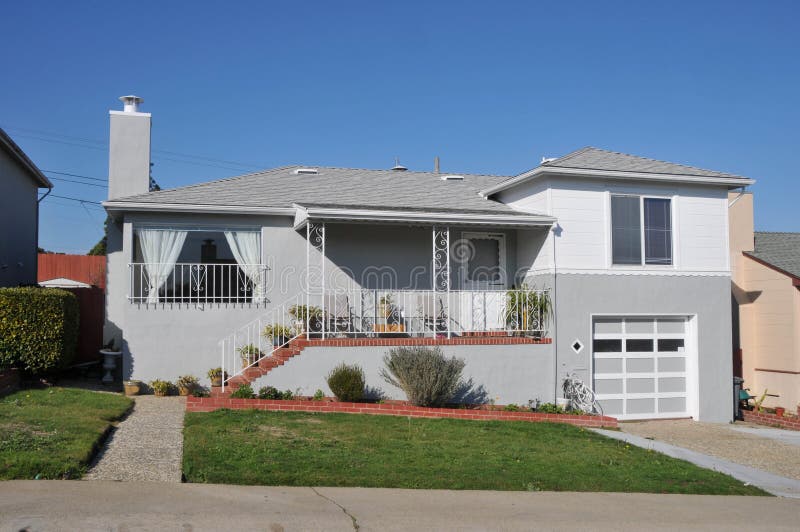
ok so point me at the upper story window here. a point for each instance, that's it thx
(641, 223)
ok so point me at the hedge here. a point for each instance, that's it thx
(38, 328)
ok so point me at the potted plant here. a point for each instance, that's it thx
(215, 375)
(278, 334)
(186, 384)
(160, 388)
(132, 387)
(527, 311)
(306, 317)
(250, 354)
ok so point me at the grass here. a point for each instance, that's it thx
(52, 433)
(304, 449)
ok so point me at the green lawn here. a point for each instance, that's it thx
(303, 449)
(52, 433)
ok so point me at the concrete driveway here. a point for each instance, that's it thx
(129, 506)
(773, 450)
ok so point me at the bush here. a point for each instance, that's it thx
(426, 376)
(245, 391)
(347, 382)
(38, 328)
(270, 392)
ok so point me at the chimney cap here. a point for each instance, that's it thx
(131, 103)
(397, 166)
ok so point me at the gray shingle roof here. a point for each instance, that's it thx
(591, 158)
(781, 250)
(339, 187)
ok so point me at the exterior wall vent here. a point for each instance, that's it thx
(306, 171)
(452, 178)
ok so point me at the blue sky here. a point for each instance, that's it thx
(487, 86)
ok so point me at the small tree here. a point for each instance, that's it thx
(347, 382)
(426, 376)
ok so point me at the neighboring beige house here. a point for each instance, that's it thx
(20, 181)
(765, 269)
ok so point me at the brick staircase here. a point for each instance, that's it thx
(279, 357)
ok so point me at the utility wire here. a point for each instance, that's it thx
(77, 199)
(75, 175)
(79, 182)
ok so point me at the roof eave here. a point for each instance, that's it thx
(22, 158)
(130, 206)
(414, 217)
(539, 171)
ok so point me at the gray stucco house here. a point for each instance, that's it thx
(20, 181)
(629, 254)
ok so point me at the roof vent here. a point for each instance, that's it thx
(306, 171)
(397, 166)
(452, 178)
(546, 160)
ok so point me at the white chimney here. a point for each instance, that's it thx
(129, 150)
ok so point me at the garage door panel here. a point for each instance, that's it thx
(640, 366)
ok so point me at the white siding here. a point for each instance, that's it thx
(583, 241)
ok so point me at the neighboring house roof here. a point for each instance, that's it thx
(61, 282)
(16, 153)
(604, 163)
(778, 250)
(336, 187)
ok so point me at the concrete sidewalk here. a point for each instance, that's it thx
(129, 506)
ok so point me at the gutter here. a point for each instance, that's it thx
(734, 182)
(123, 206)
(304, 214)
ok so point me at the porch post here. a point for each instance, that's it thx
(441, 270)
(315, 237)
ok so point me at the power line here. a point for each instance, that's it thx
(79, 200)
(75, 175)
(80, 182)
(102, 145)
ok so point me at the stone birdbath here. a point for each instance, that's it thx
(110, 358)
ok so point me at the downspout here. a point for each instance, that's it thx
(36, 263)
(554, 303)
(49, 190)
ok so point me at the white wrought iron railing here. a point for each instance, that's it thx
(260, 338)
(358, 313)
(197, 283)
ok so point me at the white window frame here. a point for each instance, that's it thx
(610, 232)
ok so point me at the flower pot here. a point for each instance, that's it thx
(183, 391)
(160, 393)
(216, 381)
(780, 411)
(132, 387)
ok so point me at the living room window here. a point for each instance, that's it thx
(641, 230)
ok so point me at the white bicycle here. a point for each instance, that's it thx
(580, 395)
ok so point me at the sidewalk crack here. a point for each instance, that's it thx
(348, 514)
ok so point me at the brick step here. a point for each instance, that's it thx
(279, 357)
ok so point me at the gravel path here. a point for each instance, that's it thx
(723, 441)
(147, 445)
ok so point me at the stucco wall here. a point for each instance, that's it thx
(18, 224)
(707, 299)
(500, 373)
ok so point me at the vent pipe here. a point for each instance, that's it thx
(436, 164)
(397, 166)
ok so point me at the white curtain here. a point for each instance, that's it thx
(160, 250)
(246, 248)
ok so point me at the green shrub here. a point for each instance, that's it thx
(245, 391)
(319, 395)
(426, 376)
(38, 328)
(347, 382)
(269, 392)
(550, 408)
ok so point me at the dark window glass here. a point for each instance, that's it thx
(657, 231)
(639, 345)
(669, 345)
(626, 233)
(607, 346)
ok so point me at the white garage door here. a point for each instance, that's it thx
(640, 366)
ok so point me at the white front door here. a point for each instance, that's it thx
(641, 366)
(483, 279)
